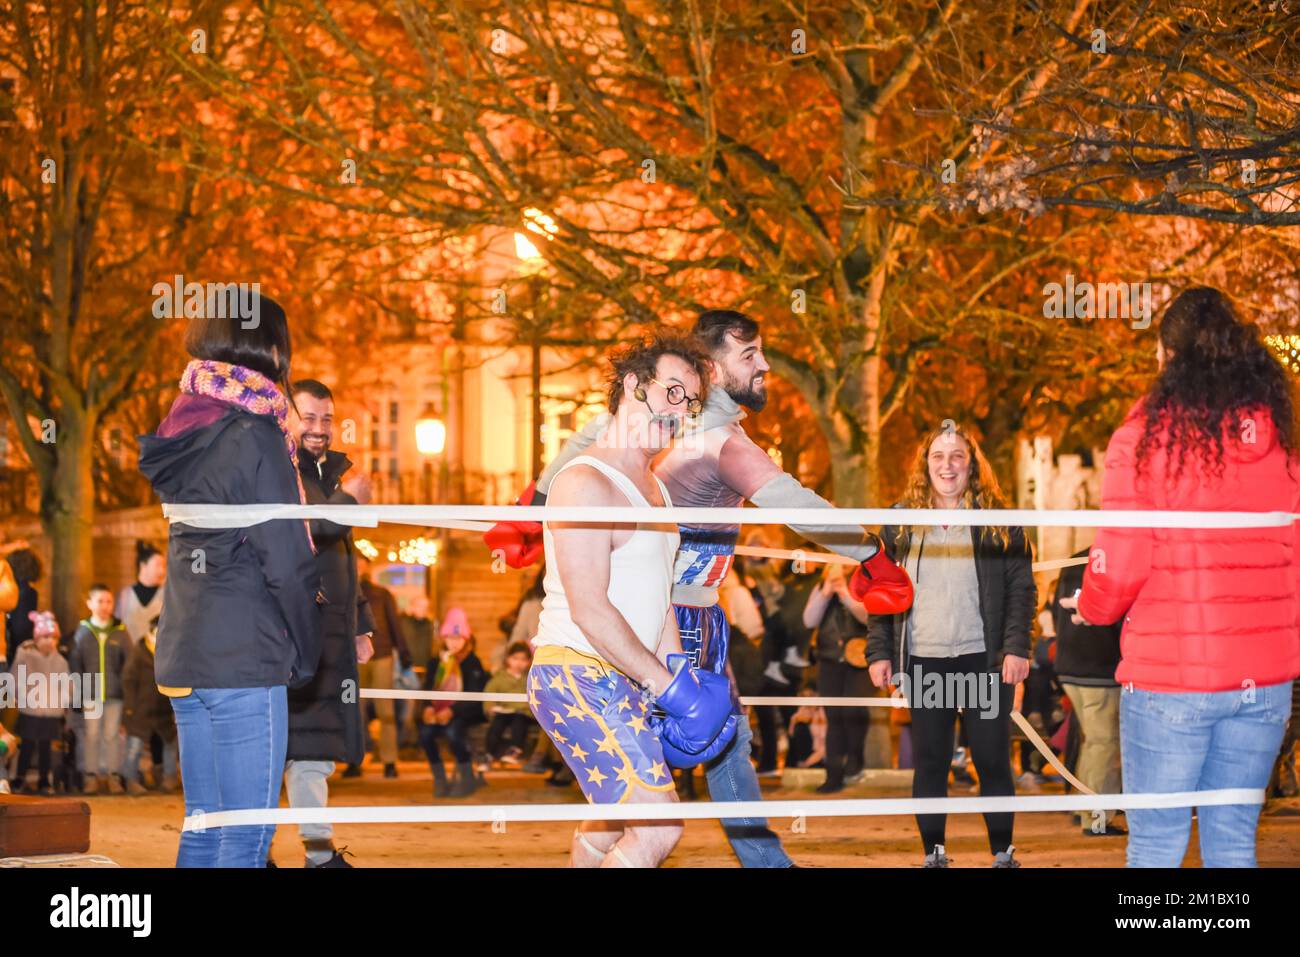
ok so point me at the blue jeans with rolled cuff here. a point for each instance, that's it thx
(732, 777)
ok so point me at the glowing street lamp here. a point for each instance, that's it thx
(430, 432)
(431, 440)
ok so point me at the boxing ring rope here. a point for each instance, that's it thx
(477, 518)
(708, 810)
(369, 516)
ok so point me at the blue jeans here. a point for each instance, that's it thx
(732, 777)
(1198, 741)
(99, 751)
(135, 747)
(233, 743)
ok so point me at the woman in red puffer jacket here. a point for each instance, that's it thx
(1211, 633)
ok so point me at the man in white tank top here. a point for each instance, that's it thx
(607, 630)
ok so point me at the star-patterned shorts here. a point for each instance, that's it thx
(595, 716)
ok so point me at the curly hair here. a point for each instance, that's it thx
(642, 359)
(1217, 372)
(982, 488)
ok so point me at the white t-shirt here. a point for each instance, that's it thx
(640, 575)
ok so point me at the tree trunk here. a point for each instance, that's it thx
(851, 474)
(854, 439)
(68, 519)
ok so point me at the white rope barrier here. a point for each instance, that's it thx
(369, 516)
(401, 694)
(707, 810)
(476, 518)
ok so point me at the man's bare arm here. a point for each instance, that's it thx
(582, 558)
(670, 638)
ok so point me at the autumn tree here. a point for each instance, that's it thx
(825, 166)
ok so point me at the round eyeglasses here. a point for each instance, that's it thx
(677, 395)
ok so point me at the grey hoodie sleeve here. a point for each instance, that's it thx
(575, 445)
(783, 491)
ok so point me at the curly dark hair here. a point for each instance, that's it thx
(1216, 373)
(642, 359)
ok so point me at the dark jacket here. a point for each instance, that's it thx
(745, 655)
(388, 623)
(83, 655)
(1085, 654)
(324, 720)
(145, 710)
(837, 627)
(472, 678)
(1007, 594)
(239, 605)
(19, 627)
(786, 622)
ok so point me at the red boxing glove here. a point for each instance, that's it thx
(883, 587)
(519, 542)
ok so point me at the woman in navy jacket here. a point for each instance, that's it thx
(240, 621)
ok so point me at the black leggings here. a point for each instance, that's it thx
(42, 751)
(989, 736)
(512, 726)
(770, 720)
(846, 728)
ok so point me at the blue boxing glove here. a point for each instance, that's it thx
(680, 759)
(696, 705)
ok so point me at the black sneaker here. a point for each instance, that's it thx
(390, 771)
(352, 771)
(336, 859)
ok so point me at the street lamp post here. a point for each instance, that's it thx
(532, 260)
(431, 441)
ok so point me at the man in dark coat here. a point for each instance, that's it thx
(1086, 659)
(325, 714)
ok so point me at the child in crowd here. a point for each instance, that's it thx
(101, 647)
(457, 669)
(807, 735)
(507, 735)
(146, 712)
(43, 676)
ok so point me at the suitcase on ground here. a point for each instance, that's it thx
(35, 825)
